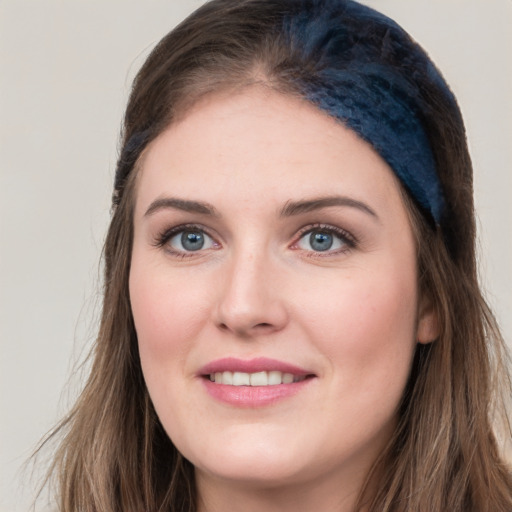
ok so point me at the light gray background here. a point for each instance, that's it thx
(65, 71)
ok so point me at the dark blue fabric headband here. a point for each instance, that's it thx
(368, 75)
(385, 121)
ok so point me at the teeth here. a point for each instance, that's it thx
(275, 378)
(259, 379)
(240, 379)
(287, 378)
(272, 378)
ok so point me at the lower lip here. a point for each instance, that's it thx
(253, 396)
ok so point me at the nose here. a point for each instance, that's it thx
(251, 301)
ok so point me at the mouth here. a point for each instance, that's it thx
(255, 382)
(261, 378)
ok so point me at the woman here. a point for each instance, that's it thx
(291, 316)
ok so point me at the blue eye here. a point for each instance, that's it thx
(323, 240)
(190, 240)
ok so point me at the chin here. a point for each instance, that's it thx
(255, 472)
(263, 462)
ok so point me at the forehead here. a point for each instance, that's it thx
(261, 144)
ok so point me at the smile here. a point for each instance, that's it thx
(253, 383)
(263, 378)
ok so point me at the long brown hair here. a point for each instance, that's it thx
(114, 454)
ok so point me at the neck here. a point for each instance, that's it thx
(218, 495)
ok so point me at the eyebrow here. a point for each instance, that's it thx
(290, 209)
(298, 207)
(181, 204)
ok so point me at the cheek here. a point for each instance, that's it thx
(168, 314)
(365, 324)
(366, 333)
(166, 309)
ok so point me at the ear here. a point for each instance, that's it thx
(427, 329)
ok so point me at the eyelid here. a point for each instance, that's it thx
(349, 240)
(162, 238)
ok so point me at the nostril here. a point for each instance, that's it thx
(259, 328)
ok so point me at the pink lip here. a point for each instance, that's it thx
(260, 364)
(252, 396)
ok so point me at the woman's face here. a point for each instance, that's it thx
(274, 291)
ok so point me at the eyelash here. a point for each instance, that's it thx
(167, 235)
(349, 241)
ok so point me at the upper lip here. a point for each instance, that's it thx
(259, 364)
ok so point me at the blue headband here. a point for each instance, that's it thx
(387, 123)
(368, 75)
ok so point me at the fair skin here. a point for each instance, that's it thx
(265, 229)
